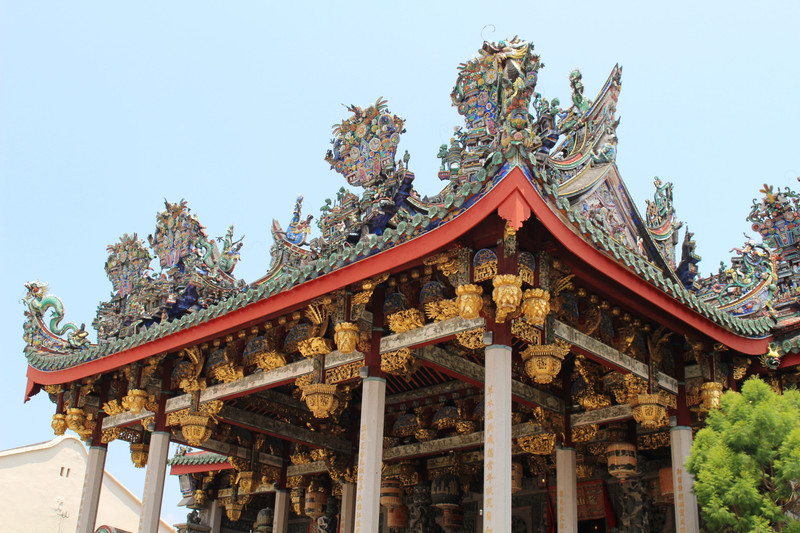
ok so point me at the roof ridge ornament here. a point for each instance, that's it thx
(747, 287)
(364, 149)
(298, 230)
(127, 262)
(775, 215)
(365, 144)
(195, 274)
(493, 93)
(49, 336)
(661, 222)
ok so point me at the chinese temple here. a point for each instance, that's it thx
(521, 352)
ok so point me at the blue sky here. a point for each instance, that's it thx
(108, 108)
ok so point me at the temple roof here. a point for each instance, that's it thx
(199, 458)
(517, 154)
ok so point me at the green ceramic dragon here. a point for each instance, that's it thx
(213, 258)
(39, 302)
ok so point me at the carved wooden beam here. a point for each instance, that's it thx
(602, 416)
(429, 333)
(254, 382)
(418, 449)
(272, 396)
(597, 349)
(125, 419)
(474, 373)
(692, 371)
(405, 451)
(473, 440)
(270, 426)
(426, 392)
(314, 467)
(444, 461)
(273, 378)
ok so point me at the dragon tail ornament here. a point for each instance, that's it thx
(50, 334)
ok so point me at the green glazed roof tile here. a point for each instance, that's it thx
(202, 458)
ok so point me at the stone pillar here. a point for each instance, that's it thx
(497, 441)
(687, 519)
(92, 483)
(370, 455)
(348, 512)
(566, 491)
(154, 482)
(280, 523)
(214, 517)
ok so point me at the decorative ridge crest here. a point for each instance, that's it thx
(746, 287)
(661, 222)
(195, 274)
(49, 336)
(776, 217)
(365, 144)
(751, 325)
(763, 278)
(660, 212)
(507, 125)
(127, 262)
(687, 268)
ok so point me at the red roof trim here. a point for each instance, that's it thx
(388, 260)
(177, 470)
(514, 186)
(597, 260)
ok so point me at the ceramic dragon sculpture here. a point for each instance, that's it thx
(39, 302)
(211, 256)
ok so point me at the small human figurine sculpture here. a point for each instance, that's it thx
(581, 103)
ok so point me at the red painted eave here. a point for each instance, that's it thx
(614, 271)
(177, 470)
(514, 196)
(386, 261)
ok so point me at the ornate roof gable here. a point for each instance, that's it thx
(565, 155)
(195, 274)
(128, 260)
(747, 286)
(365, 144)
(763, 278)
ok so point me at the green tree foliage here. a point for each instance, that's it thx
(746, 461)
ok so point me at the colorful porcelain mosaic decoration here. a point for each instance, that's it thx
(567, 153)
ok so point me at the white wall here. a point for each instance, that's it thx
(41, 485)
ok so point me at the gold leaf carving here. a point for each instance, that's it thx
(538, 444)
(405, 320)
(524, 330)
(315, 346)
(341, 373)
(446, 262)
(113, 408)
(109, 435)
(399, 362)
(439, 310)
(227, 372)
(270, 360)
(536, 305)
(52, 389)
(469, 301)
(652, 441)
(507, 295)
(472, 339)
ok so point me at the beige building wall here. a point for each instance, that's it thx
(41, 485)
